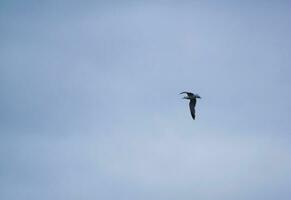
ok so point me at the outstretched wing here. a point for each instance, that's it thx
(188, 93)
(192, 107)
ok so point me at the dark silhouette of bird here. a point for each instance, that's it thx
(192, 97)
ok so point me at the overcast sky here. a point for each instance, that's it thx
(89, 104)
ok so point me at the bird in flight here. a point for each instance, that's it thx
(192, 97)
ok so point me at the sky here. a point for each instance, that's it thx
(90, 105)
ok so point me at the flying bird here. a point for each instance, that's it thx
(192, 97)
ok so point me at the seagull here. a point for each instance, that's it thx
(192, 97)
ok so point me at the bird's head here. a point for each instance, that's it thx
(197, 96)
(190, 95)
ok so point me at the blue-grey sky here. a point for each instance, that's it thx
(89, 105)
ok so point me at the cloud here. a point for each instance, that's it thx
(157, 165)
(90, 106)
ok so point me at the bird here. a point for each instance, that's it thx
(192, 97)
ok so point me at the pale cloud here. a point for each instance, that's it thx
(90, 106)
